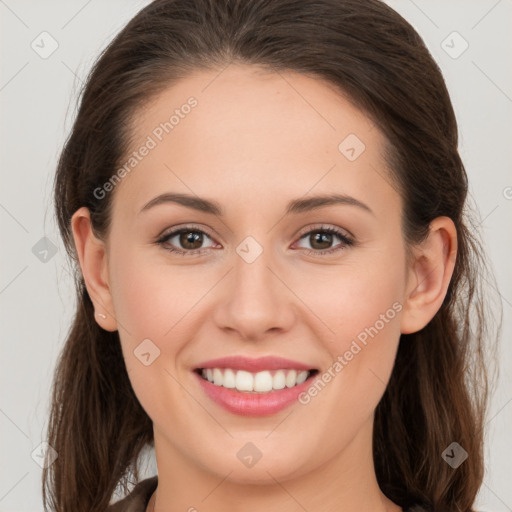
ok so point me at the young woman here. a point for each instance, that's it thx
(278, 283)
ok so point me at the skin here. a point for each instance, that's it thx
(254, 142)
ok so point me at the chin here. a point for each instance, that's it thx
(266, 470)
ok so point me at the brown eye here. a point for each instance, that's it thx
(185, 241)
(191, 239)
(320, 240)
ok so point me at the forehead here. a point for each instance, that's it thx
(241, 133)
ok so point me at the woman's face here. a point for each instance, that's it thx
(254, 279)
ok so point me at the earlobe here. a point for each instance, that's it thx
(429, 275)
(93, 263)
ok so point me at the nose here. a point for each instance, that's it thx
(256, 299)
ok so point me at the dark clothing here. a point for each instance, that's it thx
(138, 499)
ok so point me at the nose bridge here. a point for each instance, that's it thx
(252, 275)
(257, 300)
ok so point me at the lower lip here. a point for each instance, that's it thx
(253, 404)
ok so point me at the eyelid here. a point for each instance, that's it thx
(168, 231)
(322, 227)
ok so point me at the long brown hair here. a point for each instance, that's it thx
(439, 387)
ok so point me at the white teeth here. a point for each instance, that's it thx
(263, 382)
(260, 382)
(229, 379)
(302, 377)
(291, 379)
(279, 380)
(244, 381)
(217, 377)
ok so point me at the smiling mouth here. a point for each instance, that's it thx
(265, 381)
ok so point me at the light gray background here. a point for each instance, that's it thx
(38, 97)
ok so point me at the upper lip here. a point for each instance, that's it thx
(254, 365)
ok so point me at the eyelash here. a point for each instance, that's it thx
(346, 241)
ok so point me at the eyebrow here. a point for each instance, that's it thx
(294, 207)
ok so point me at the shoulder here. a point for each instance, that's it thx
(138, 499)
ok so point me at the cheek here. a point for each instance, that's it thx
(151, 303)
(349, 298)
(361, 305)
(366, 308)
(151, 298)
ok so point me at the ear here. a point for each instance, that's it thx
(429, 275)
(93, 262)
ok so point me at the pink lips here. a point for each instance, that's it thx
(254, 365)
(253, 404)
